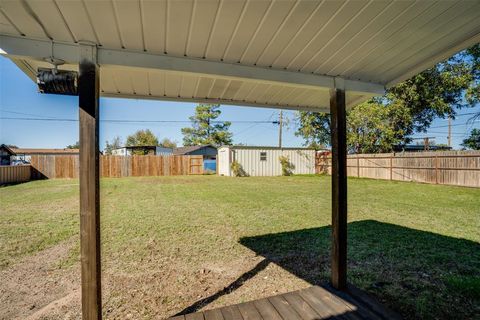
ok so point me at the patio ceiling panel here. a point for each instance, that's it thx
(264, 53)
(380, 29)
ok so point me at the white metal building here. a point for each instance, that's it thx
(264, 161)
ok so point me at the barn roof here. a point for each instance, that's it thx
(281, 54)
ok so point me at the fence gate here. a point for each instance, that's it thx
(195, 165)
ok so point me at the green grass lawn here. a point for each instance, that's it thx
(413, 246)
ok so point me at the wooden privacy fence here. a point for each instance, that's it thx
(15, 174)
(67, 166)
(460, 168)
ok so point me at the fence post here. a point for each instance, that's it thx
(436, 169)
(358, 167)
(391, 167)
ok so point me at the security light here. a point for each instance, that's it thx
(57, 81)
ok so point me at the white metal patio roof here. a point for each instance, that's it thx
(282, 54)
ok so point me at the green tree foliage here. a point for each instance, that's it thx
(76, 145)
(473, 93)
(473, 141)
(167, 143)
(142, 138)
(110, 146)
(409, 107)
(373, 127)
(314, 128)
(205, 130)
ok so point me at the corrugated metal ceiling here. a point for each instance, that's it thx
(371, 41)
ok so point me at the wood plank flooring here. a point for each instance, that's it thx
(313, 303)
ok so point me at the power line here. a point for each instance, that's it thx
(462, 114)
(138, 121)
(453, 125)
(26, 114)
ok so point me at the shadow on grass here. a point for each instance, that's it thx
(419, 274)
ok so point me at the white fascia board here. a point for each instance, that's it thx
(213, 101)
(205, 67)
(21, 47)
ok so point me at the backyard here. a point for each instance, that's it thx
(171, 244)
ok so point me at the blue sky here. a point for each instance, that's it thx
(19, 98)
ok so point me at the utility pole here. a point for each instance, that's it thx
(280, 123)
(426, 143)
(449, 131)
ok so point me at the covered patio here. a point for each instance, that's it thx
(317, 56)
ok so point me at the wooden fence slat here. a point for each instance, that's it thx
(15, 174)
(460, 168)
(66, 166)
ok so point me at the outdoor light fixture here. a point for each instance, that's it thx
(57, 81)
(52, 80)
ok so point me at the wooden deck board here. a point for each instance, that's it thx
(194, 316)
(215, 314)
(301, 306)
(313, 303)
(267, 310)
(284, 308)
(249, 311)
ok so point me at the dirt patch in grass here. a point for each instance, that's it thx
(37, 288)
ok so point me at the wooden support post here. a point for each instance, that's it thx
(339, 185)
(88, 94)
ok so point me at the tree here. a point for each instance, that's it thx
(373, 127)
(314, 128)
(115, 144)
(473, 141)
(142, 138)
(167, 143)
(76, 145)
(406, 108)
(205, 130)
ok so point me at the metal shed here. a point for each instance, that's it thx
(323, 56)
(264, 161)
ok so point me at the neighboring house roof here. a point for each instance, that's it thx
(45, 151)
(135, 147)
(189, 149)
(9, 150)
(419, 147)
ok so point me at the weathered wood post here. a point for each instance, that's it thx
(391, 167)
(358, 166)
(88, 97)
(339, 185)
